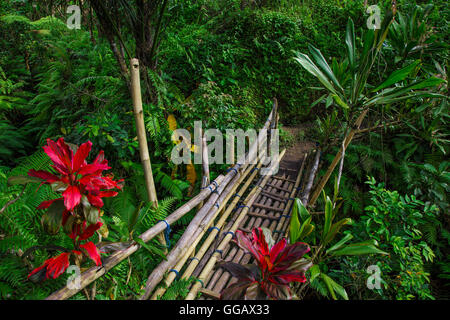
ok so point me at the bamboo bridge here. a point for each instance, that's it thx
(240, 199)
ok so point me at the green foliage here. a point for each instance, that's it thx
(302, 228)
(397, 223)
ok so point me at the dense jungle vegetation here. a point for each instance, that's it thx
(222, 62)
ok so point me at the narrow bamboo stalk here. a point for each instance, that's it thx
(205, 166)
(140, 128)
(142, 137)
(251, 198)
(312, 175)
(226, 195)
(336, 159)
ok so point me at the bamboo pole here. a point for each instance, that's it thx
(231, 188)
(142, 137)
(336, 159)
(312, 175)
(212, 261)
(205, 166)
(140, 128)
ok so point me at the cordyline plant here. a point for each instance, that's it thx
(277, 265)
(78, 210)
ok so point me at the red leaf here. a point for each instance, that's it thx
(59, 155)
(44, 175)
(54, 267)
(81, 155)
(72, 197)
(89, 231)
(95, 201)
(276, 249)
(58, 265)
(93, 168)
(93, 252)
(105, 194)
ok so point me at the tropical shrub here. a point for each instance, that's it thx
(396, 222)
(277, 265)
(78, 211)
(326, 251)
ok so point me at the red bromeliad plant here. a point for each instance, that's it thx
(277, 265)
(78, 210)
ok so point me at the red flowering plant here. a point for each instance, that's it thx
(78, 210)
(277, 265)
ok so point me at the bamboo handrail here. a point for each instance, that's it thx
(248, 203)
(312, 175)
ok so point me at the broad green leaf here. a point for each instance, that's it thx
(340, 102)
(315, 272)
(334, 229)
(23, 180)
(306, 62)
(350, 42)
(322, 62)
(328, 283)
(294, 228)
(305, 229)
(341, 242)
(397, 76)
(328, 217)
(357, 249)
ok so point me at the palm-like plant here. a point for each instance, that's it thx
(347, 81)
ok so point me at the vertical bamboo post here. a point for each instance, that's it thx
(336, 159)
(205, 166)
(142, 136)
(273, 126)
